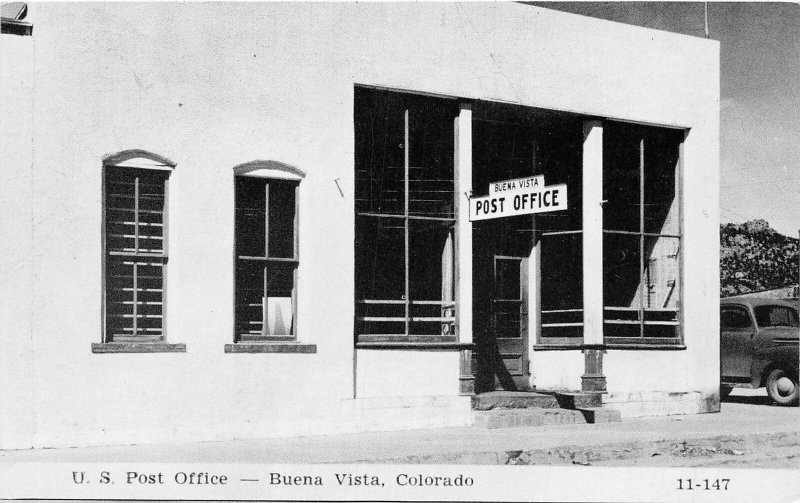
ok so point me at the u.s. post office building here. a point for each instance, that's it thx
(244, 220)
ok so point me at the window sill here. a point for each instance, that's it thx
(648, 346)
(645, 346)
(137, 347)
(557, 346)
(270, 347)
(371, 338)
(415, 346)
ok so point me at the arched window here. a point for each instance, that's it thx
(266, 257)
(135, 254)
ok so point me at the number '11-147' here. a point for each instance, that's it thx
(703, 484)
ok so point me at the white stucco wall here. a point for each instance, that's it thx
(213, 85)
(17, 372)
(406, 373)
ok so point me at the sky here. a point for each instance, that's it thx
(759, 102)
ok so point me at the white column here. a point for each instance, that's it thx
(593, 232)
(463, 186)
(534, 278)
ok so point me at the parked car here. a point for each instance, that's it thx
(759, 342)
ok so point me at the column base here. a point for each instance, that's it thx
(466, 381)
(593, 384)
(593, 380)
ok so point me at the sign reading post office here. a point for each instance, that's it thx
(520, 196)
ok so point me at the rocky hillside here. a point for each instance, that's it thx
(753, 257)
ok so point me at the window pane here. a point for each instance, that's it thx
(561, 258)
(562, 271)
(380, 275)
(281, 218)
(621, 284)
(379, 151)
(559, 158)
(776, 316)
(621, 177)
(431, 277)
(509, 310)
(734, 318)
(662, 148)
(124, 303)
(507, 279)
(431, 144)
(151, 211)
(621, 260)
(119, 299)
(661, 287)
(250, 216)
(249, 298)
(280, 288)
(122, 213)
(120, 188)
(502, 149)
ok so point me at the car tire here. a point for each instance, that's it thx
(782, 387)
(724, 391)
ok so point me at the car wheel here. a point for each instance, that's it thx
(724, 391)
(782, 387)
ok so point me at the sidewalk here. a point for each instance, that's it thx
(744, 414)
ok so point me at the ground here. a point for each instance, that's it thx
(750, 431)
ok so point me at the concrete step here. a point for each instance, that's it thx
(600, 415)
(576, 400)
(513, 418)
(513, 400)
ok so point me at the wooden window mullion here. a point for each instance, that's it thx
(265, 302)
(296, 224)
(135, 298)
(641, 238)
(136, 215)
(265, 298)
(296, 257)
(406, 224)
(136, 195)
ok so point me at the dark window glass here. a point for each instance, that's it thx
(135, 254)
(734, 318)
(776, 316)
(404, 253)
(641, 243)
(266, 259)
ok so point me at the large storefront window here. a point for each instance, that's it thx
(560, 235)
(404, 224)
(641, 234)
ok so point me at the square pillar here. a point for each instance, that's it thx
(592, 233)
(463, 238)
(593, 379)
(534, 280)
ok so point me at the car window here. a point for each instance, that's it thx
(734, 317)
(776, 316)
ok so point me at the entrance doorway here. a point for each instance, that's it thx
(527, 269)
(503, 148)
(501, 260)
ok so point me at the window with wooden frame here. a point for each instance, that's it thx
(559, 235)
(266, 259)
(404, 222)
(135, 253)
(641, 235)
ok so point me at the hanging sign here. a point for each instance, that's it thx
(519, 196)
